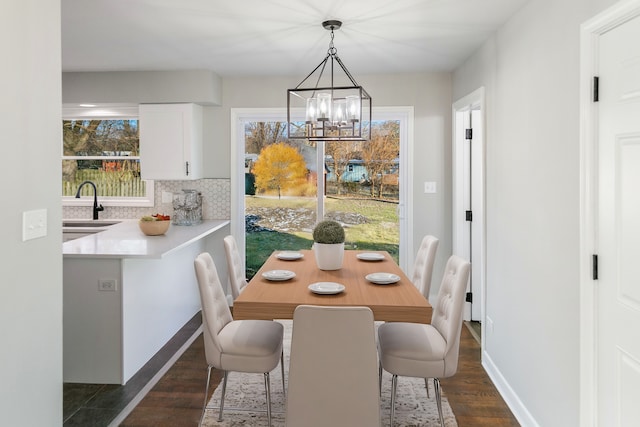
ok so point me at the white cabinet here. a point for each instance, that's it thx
(170, 141)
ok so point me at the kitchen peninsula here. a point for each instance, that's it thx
(127, 294)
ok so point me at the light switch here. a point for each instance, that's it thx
(430, 187)
(34, 224)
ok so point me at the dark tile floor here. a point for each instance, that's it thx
(97, 405)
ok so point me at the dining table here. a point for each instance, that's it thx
(367, 278)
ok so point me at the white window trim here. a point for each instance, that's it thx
(113, 112)
(405, 114)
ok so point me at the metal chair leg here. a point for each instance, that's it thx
(224, 389)
(267, 387)
(436, 386)
(206, 394)
(394, 384)
(284, 390)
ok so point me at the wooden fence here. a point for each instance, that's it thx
(108, 184)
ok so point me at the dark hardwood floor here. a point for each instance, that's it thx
(176, 400)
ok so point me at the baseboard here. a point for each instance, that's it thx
(512, 400)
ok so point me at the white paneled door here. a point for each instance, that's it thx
(618, 227)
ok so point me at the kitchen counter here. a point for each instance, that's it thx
(125, 240)
(126, 294)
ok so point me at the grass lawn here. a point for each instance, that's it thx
(369, 225)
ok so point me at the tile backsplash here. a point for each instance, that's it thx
(216, 201)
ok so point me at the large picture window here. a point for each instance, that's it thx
(105, 151)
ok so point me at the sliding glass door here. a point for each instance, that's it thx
(282, 187)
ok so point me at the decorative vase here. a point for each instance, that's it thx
(329, 255)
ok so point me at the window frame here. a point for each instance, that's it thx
(110, 112)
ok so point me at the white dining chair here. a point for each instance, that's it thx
(423, 265)
(423, 271)
(237, 276)
(428, 350)
(234, 345)
(333, 379)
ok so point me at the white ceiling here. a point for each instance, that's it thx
(275, 37)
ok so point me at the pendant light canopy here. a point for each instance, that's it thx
(336, 107)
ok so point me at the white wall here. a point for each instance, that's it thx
(530, 69)
(428, 93)
(31, 271)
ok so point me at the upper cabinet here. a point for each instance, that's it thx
(170, 141)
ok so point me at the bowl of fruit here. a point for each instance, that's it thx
(154, 225)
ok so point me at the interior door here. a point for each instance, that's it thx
(468, 185)
(618, 227)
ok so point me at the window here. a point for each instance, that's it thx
(103, 147)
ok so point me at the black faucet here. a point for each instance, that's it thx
(96, 208)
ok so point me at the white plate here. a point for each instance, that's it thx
(382, 278)
(289, 255)
(326, 288)
(278, 275)
(370, 256)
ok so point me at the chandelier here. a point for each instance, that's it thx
(336, 107)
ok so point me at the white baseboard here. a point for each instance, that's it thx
(512, 400)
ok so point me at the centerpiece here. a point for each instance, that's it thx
(328, 246)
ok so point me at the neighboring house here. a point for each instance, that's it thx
(356, 171)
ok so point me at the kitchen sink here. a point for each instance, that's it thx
(75, 228)
(88, 224)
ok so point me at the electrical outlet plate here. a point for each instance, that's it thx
(167, 197)
(108, 285)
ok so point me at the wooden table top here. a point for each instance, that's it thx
(398, 302)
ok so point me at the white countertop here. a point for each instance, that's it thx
(125, 240)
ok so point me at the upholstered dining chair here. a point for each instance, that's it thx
(423, 265)
(423, 271)
(333, 378)
(237, 276)
(428, 350)
(234, 345)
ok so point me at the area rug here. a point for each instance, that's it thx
(245, 401)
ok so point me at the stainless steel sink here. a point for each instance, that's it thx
(88, 224)
(75, 228)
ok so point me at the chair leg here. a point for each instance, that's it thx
(436, 386)
(284, 390)
(206, 394)
(224, 389)
(267, 388)
(426, 385)
(394, 384)
(380, 378)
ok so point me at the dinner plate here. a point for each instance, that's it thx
(289, 255)
(278, 275)
(382, 278)
(326, 288)
(370, 256)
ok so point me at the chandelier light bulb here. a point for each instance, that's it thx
(324, 106)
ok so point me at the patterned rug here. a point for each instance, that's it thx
(245, 401)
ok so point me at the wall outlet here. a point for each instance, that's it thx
(108, 285)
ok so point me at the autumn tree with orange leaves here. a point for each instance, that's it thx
(279, 167)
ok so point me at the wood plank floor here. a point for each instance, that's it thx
(176, 400)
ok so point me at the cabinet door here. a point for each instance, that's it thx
(171, 141)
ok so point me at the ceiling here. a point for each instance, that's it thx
(275, 37)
